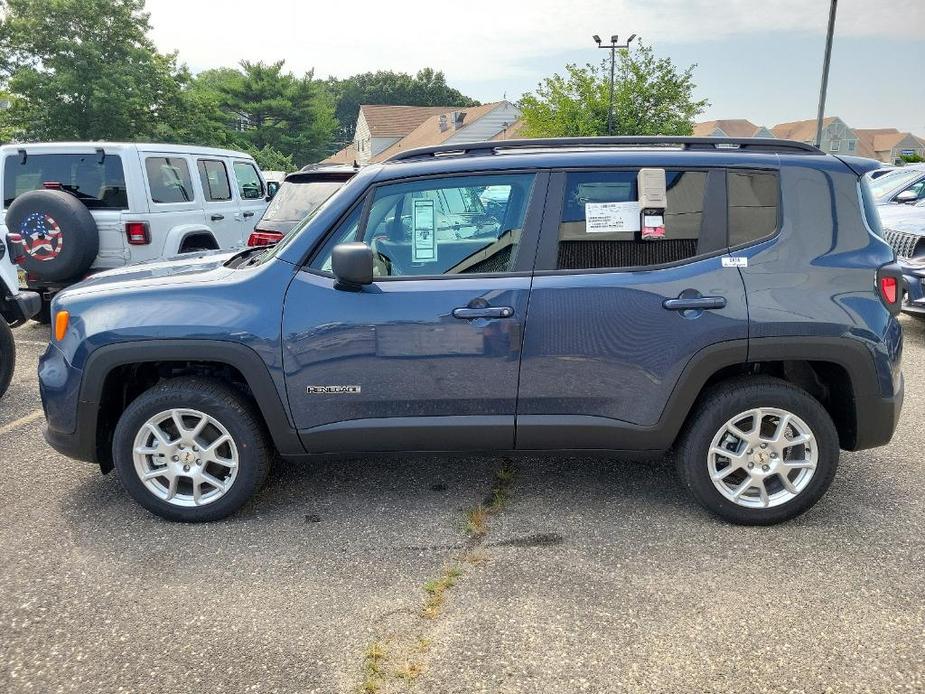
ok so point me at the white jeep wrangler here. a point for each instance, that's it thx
(81, 207)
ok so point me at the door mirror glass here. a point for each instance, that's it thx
(352, 264)
(272, 187)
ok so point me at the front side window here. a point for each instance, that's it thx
(250, 186)
(450, 226)
(601, 222)
(98, 181)
(752, 198)
(169, 180)
(214, 179)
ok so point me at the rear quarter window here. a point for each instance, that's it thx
(98, 181)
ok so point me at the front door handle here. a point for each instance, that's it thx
(217, 217)
(248, 214)
(695, 303)
(484, 312)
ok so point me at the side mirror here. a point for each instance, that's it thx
(272, 187)
(907, 197)
(352, 264)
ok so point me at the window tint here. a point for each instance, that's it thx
(449, 226)
(294, 200)
(214, 178)
(169, 179)
(345, 232)
(249, 184)
(752, 198)
(98, 185)
(612, 236)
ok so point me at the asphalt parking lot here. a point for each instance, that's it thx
(596, 575)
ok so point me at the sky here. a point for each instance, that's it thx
(756, 59)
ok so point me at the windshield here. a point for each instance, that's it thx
(295, 200)
(886, 184)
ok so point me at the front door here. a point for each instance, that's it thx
(253, 197)
(427, 356)
(614, 319)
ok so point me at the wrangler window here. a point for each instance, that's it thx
(169, 179)
(97, 180)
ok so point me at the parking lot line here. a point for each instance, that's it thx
(16, 423)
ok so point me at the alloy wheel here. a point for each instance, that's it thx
(762, 457)
(185, 457)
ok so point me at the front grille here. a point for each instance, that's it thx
(903, 243)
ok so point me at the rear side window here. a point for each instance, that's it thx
(752, 198)
(169, 179)
(249, 184)
(214, 178)
(600, 226)
(98, 184)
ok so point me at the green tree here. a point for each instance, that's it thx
(911, 158)
(651, 97)
(426, 88)
(261, 106)
(85, 69)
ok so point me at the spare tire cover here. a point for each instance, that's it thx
(57, 232)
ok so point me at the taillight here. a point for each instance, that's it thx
(17, 251)
(264, 238)
(890, 286)
(137, 233)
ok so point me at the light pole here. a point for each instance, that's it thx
(825, 71)
(612, 46)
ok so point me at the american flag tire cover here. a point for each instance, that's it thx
(41, 236)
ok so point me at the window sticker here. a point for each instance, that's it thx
(424, 245)
(734, 261)
(608, 217)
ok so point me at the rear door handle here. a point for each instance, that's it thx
(248, 214)
(486, 312)
(217, 217)
(695, 303)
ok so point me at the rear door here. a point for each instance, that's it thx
(221, 209)
(615, 320)
(427, 356)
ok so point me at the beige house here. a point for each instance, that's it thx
(731, 127)
(889, 144)
(884, 144)
(382, 131)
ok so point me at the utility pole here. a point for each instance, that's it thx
(825, 71)
(612, 46)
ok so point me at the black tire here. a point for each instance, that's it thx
(227, 406)
(726, 400)
(7, 356)
(58, 233)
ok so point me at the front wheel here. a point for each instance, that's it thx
(7, 356)
(758, 451)
(190, 450)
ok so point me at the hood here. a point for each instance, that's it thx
(905, 217)
(189, 268)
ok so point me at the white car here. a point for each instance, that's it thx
(81, 207)
(902, 185)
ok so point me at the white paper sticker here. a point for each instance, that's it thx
(734, 261)
(653, 220)
(608, 217)
(424, 237)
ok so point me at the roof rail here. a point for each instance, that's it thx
(730, 144)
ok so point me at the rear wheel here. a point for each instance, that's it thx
(7, 356)
(758, 451)
(190, 450)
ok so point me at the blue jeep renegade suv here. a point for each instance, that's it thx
(507, 296)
